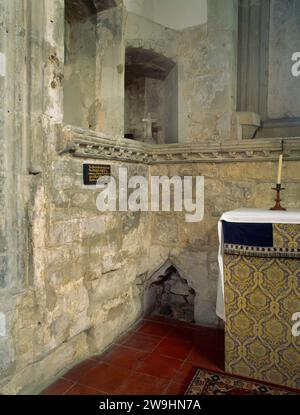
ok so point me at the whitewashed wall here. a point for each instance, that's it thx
(176, 14)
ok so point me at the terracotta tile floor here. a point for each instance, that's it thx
(157, 357)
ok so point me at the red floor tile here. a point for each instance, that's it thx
(160, 319)
(78, 371)
(159, 366)
(105, 377)
(123, 356)
(185, 373)
(123, 338)
(214, 335)
(141, 342)
(207, 357)
(58, 388)
(156, 357)
(154, 329)
(176, 389)
(199, 337)
(185, 324)
(141, 384)
(184, 334)
(178, 349)
(83, 390)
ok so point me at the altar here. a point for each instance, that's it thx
(259, 293)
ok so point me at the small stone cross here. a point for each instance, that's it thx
(148, 121)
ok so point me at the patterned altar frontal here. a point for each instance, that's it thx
(262, 293)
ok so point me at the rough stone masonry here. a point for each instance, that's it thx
(70, 276)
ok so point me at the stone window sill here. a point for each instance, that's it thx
(90, 144)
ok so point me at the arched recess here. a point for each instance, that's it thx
(80, 10)
(151, 93)
(169, 293)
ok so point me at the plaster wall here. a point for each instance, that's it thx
(203, 97)
(207, 75)
(135, 108)
(160, 99)
(206, 63)
(172, 109)
(174, 14)
(110, 64)
(283, 90)
(80, 74)
(155, 100)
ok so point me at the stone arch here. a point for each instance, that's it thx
(181, 308)
(80, 10)
(161, 48)
(141, 62)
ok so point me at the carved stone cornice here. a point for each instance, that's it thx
(89, 144)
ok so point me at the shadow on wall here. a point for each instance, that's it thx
(151, 97)
(169, 293)
(172, 297)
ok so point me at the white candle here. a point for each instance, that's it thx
(280, 169)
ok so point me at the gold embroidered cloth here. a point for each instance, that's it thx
(262, 293)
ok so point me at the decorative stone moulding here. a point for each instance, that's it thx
(90, 144)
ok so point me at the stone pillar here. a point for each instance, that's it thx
(3, 148)
(14, 117)
(46, 114)
(253, 44)
(13, 137)
(31, 62)
(110, 68)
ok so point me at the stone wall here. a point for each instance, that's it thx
(170, 13)
(172, 297)
(110, 64)
(5, 346)
(94, 72)
(135, 108)
(172, 108)
(88, 265)
(3, 170)
(283, 91)
(70, 277)
(150, 36)
(80, 74)
(155, 103)
(193, 247)
(207, 62)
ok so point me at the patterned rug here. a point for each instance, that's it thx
(206, 382)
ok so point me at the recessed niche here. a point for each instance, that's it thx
(151, 97)
(166, 293)
(83, 71)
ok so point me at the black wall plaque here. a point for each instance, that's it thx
(92, 172)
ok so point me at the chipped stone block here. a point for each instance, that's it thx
(92, 227)
(7, 364)
(31, 379)
(3, 270)
(2, 325)
(109, 263)
(247, 123)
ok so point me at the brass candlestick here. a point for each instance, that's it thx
(278, 206)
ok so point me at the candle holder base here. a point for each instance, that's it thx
(278, 206)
